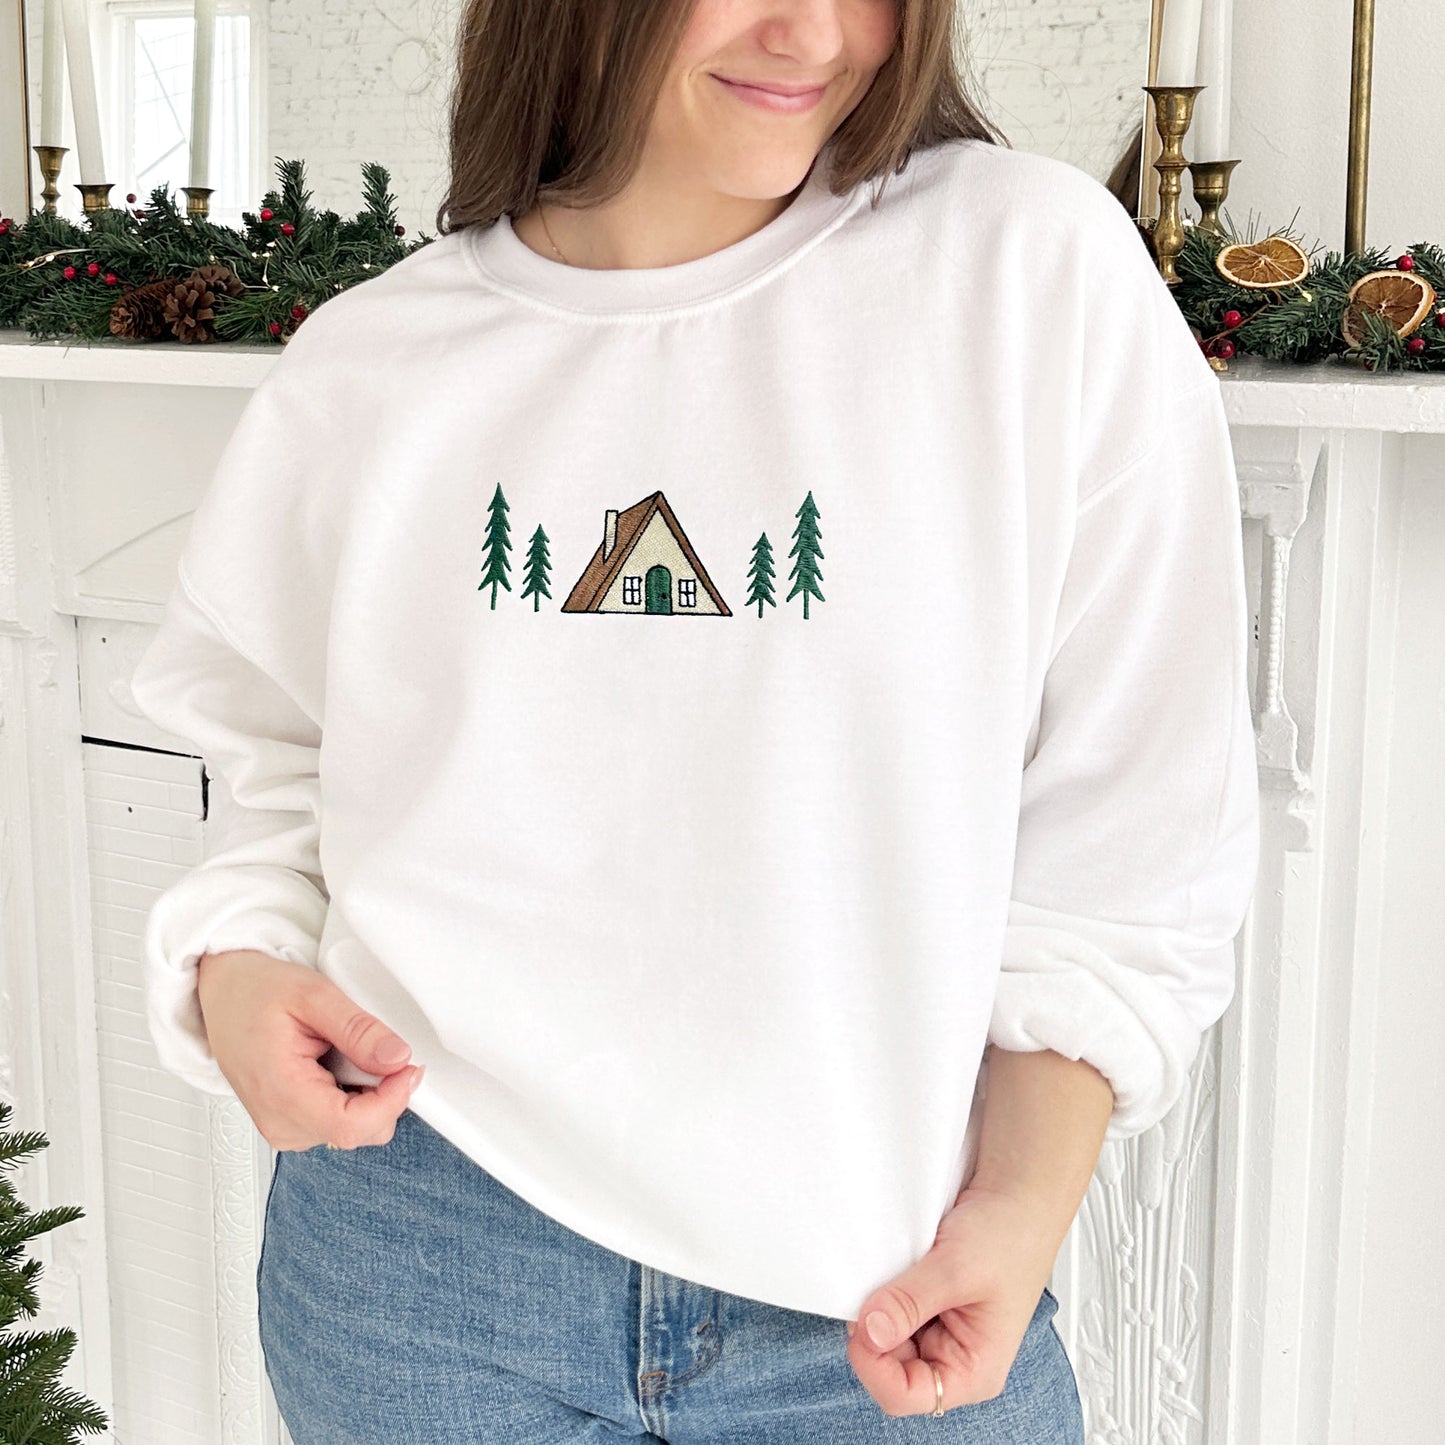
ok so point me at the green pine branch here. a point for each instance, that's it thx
(35, 1407)
(281, 273)
(1302, 322)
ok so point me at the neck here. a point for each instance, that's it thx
(648, 225)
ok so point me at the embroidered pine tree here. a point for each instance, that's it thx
(760, 588)
(496, 566)
(807, 550)
(35, 1408)
(534, 580)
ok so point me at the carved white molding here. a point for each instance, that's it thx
(237, 1245)
(1141, 1306)
(50, 1070)
(1277, 468)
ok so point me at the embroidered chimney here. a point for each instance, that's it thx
(609, 534)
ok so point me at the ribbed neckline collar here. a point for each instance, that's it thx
(506, 262)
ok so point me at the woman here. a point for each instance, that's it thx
(700, 928)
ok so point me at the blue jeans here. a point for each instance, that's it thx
(409, 1298)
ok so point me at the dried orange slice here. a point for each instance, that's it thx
(1274, 261)
(1401, 297)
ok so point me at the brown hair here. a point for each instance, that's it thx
(556, 100)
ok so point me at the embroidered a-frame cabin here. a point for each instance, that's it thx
(643, 564)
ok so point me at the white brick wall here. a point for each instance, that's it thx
(1061, 76)
(353, 82)
(349, 82)
(143, 813)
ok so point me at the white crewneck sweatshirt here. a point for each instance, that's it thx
(701, 707)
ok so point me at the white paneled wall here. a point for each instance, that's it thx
(143, 826)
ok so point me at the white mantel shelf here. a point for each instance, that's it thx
(1330, 394)
(158, 363)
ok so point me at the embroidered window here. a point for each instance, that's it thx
(632, 590)
(687, 591)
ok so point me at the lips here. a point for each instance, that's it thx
(784, 101)
(775, 90)
(785, 90)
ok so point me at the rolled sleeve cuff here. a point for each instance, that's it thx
(1111, 995)
(270, 910)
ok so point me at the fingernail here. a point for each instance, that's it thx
(880, 1329)
(416, 1077)
(393, 1051)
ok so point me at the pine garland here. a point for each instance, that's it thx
(61, 279)
(1302, 322)
(175, 276)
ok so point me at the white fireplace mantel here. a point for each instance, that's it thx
(1215, 1287)
(1332, 394)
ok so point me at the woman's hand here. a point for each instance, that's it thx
(965, 1306)
(269, 1021)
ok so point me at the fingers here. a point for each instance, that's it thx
(311, 1108)
(369, 1116)
(361, 1036)
(270, 1021)
(901, 1379)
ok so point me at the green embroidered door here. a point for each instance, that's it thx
(659, 589)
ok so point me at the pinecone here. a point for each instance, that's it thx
(139, 315)
(190, 308)
(221, 279)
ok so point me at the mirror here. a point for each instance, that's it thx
(335, 86)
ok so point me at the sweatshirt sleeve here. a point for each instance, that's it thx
(259, 884)
(1138, 836)
(236, 670)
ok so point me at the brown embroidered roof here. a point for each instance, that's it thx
(591, 587)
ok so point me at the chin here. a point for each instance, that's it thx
(747, 173)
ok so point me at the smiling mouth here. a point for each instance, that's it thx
(791, 92)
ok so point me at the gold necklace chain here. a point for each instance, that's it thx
(542, 216)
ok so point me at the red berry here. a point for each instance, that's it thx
(400, 230)
(1405, 263)
(1232, 318)
(69, 273)
(111, 278)
(287, 228)
(266, 213)
(93, 268)
(4, 228)
(1415, 345)
(1224, 348)
(298, 312)
(275, 328)
(130, 198)
(1440, 318)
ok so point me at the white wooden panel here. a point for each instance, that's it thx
(143, 822)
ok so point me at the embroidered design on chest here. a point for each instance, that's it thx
(646, 566)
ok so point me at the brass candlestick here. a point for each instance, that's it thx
(95, 195)
(50, 162)
(1210, 181)
(1173, 110)
(1357, 174)
(198, 200)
